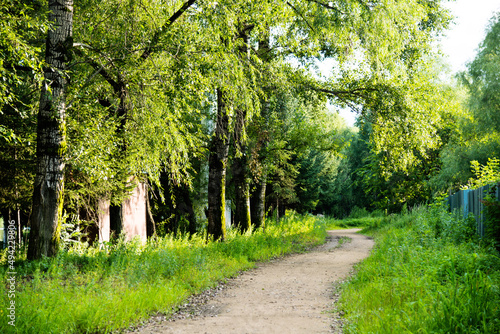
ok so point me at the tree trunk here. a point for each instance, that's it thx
(150, 222)
(242, 214)
(240, 178)
(184, 208)
(51, 135)
(258, 196)
(103, 218)
(4, 213)
(277, 209)
(240, 170)
(258, 203)
(217, 163)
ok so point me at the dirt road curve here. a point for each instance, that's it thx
(290, 295)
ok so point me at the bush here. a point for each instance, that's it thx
(492, 219)
(358, 212)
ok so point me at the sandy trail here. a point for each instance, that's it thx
(289, 295)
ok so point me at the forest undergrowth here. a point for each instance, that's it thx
(428, 273)
(102, 290)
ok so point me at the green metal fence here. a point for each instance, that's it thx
(471, 201)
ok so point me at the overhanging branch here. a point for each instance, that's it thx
(301, 15)
(98, 68)
(357, 92)
(348, 97)
(156, 37)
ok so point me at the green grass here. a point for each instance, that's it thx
(429, 273)
(87, 290)
(363, 223)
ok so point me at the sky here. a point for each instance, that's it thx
(467, 31)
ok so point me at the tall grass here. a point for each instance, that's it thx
(429, 273)
(359, 218)
(90, 290)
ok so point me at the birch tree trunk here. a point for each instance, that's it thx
(51, 135)
(217, 165)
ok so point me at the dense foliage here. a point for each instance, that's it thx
(473, 132)
(142, 103)
(142, 99)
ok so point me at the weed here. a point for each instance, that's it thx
(341, 241)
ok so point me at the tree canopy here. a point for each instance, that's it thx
(157, 90)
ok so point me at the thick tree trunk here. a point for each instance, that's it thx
(242, 214)
(51, 135)
(258, 203)
(217, 164)
(241, 178)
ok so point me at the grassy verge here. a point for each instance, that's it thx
(87, 290)
(429, 273)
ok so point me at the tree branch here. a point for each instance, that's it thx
(156, 37)
(243, 32)
(327, 6)
(338, 93)
(99, 69)
(347, 96)
(11, 67)
(300, 14)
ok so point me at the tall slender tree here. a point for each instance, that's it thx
(240, 170)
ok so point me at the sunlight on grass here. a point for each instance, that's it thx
(89, 290)
(429, 273)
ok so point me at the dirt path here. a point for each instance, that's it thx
(290, 295)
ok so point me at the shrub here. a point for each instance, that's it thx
(492, 219)
(358, 212)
